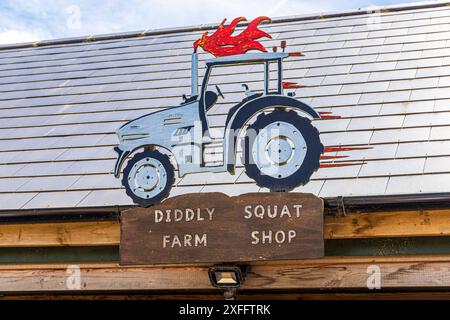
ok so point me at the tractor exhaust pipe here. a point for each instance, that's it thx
(194, 75)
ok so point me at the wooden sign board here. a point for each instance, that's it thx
(216, 228)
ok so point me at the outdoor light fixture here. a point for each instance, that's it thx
(227, 276)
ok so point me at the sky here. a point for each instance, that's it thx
(34, 20)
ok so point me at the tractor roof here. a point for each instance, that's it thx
(247, 58)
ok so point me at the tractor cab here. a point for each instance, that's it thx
(251, 59)
(211, 91)
(209, 98)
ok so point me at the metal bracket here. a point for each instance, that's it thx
(229, 294)
(341, 212)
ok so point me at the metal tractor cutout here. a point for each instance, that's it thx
(281, 149)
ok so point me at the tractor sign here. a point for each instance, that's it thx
(281, 149)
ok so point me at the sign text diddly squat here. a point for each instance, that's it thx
(256, 237)
(216, 228)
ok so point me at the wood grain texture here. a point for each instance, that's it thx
(389, 224)
(357, 225)
(412, 272)
(103, 233)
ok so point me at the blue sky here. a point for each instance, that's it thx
(33, 20)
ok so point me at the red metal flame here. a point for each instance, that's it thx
(328, 116)
(337, 149)
(343, 163)
(222, 43)
(322, 157)
(291, 85)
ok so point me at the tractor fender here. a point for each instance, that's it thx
(122, 155)
(236, 121)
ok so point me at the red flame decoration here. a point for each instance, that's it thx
(222, 43)
(337, 149)
(328, 116)
(292, 85)
(343, 163)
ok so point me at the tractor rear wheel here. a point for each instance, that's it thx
(281, 150)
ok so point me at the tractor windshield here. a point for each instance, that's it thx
(238, 82)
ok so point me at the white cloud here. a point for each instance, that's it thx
(16, 36)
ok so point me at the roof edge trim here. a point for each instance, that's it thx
(334, 206)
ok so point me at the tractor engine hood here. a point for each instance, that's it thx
(157, 128)
(149, 124)
(133, 130)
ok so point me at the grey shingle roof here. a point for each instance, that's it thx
(61, 103)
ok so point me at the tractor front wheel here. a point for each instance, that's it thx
(148, 177)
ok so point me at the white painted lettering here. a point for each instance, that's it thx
(201, 241)
(272, 213)
(186, 240)
(272, 237)
(176, 242)
(267, 236)
(178, 215)
(199, 215)
(210, 213)
(248, 212)
(280, 237)
(259, 211)
(291, 235)
(159, 215)
(297, 208)
(285, 212)
(166, 240)
(189, 215)
(255, 237)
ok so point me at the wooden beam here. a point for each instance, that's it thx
(389, 224)
(103, 233)
(352, 226)
(341, 274)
